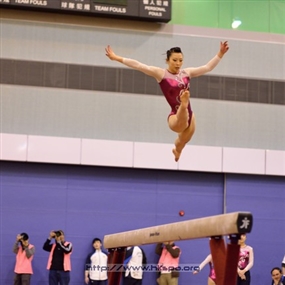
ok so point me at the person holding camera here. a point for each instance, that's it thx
(59, 264)
(24, 255)
(168, 262)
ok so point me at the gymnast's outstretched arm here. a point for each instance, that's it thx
(152, 71)
(198, 71)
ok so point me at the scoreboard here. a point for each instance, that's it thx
(147, 10)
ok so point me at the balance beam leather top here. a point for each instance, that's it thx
(219, 225)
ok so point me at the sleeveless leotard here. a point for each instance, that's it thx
(172, 85)
(212, 273)
(243, 257)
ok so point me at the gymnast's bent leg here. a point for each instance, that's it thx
(183, 138)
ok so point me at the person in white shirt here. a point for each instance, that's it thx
(133, 264)
(96, 265)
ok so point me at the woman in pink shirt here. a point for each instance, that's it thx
(24, 255)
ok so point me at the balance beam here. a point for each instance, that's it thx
(219, 225)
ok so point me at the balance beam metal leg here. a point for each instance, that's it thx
(218, 251)
(116, 258)
(232, 259)
(225, 259)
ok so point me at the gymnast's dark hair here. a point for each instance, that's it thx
(173, 50)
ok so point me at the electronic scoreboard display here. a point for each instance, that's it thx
(147, 10)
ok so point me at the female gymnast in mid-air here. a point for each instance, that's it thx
(174, 83)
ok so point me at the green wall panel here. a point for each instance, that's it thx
(277, 17)
(204, 14)
(260, 15)
(254, 15)
(225, 15)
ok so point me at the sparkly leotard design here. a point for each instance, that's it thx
(172, 85)
(243, 258)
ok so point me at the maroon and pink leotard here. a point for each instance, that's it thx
(172, 86)
(244, 257)
(212, 273)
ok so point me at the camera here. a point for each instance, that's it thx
(57, 233)
(24, 237)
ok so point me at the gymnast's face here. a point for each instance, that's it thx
(175, 62)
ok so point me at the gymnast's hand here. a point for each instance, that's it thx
(241, 274)
(224, 47)
(110, 53)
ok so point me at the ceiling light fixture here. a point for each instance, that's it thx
(236, 23)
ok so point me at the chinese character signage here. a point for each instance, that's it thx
(149, 10)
